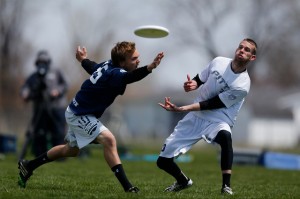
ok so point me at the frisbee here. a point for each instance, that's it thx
(151, 31)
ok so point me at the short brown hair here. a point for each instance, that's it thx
(121, 51)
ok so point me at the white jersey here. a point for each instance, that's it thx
(232, 88)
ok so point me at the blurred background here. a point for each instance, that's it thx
(199, 31)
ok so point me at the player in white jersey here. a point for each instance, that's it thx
(222, 87)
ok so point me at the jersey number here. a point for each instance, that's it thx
(98, 73)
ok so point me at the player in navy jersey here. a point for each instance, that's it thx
(222, 87)
(108, 80)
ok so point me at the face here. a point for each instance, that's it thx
(244, 52)
(131, 62)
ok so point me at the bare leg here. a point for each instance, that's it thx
(62, 151)
(107, 139)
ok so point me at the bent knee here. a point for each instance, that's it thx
(107, 139)
(223, 136)
(71, 151)
(224, 139)
(163, 162)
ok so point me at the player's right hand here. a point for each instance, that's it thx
(81, 53)
(190, 85)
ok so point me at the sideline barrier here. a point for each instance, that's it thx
(281, 161)
(8, 143)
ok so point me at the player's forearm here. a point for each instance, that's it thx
(190, 107)
(88, 65)
(136, 75)
(213, 103)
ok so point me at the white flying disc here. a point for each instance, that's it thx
(151, 31)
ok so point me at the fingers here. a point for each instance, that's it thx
(171, 105)
(188, 77)
(81, 50)
(167, 105)
(167, 99)
(84, 50)
(159, 56)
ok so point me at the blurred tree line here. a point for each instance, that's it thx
(274, 24)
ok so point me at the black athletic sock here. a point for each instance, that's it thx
(226, 179)
(182, 179)
(42, 159)
(121, 176)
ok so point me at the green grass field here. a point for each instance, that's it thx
(91, 178)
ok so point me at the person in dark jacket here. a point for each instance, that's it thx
(46, 88)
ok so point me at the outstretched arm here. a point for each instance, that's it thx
(213, 103)
(140, 73)
(169, 106)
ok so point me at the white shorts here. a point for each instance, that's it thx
(188, 132)
(82, 130)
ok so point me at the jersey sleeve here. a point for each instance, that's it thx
(89, 66)
(205, 73)
(231, 97)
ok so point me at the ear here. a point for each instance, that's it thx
(122, 64)
(253, 57)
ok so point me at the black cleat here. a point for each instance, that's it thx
(178, 187)
(24, 173)
(226, 190)
(133, 190)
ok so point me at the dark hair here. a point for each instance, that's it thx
(252, 42)
(121, 51)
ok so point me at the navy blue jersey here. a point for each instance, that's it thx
(100, 90)
(105, 83)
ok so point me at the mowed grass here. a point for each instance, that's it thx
(91, 178)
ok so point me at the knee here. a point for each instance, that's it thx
(74, 153)
(224, 139)
(162, 162)
(108, 140)
(70, 151)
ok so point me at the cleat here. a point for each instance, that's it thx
(178, 187)
(226, 190)
(133, 190)
(24, 173)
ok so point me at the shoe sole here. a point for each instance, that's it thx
(186, 187)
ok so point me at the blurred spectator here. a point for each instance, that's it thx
(46, 89)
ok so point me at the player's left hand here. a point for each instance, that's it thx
(156, 61)
(169, 106)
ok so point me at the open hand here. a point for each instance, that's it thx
(170, 106)
(156, 61)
